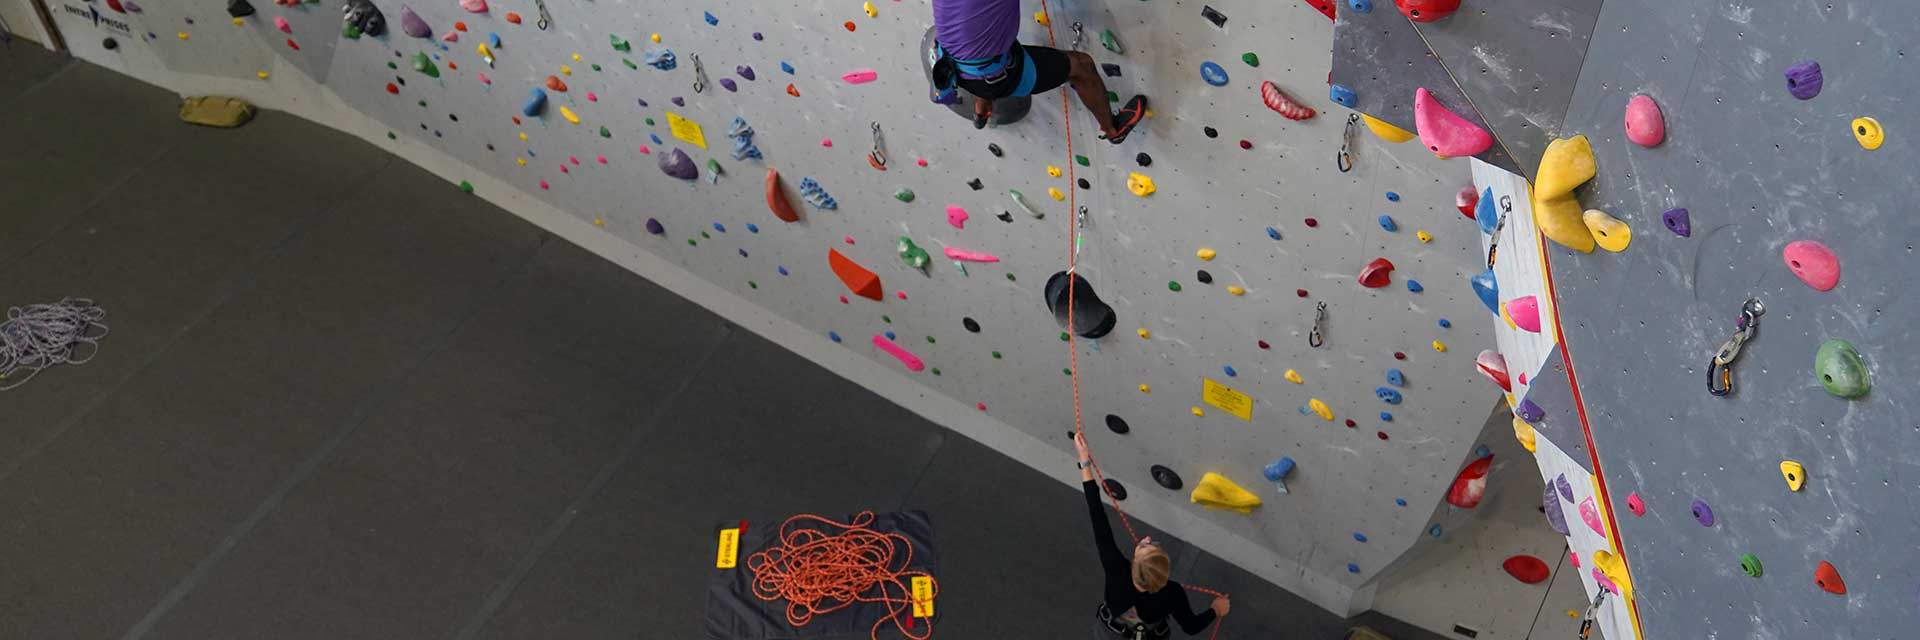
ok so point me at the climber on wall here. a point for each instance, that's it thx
(1139, 597)
(977, 50)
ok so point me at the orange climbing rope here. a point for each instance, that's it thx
(1073, 346)
(818, 572)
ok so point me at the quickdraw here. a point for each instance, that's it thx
(546, 19)
(1721, 366)
(1592, 614)
(1316, 337)
(878, 157)
(1344, 159)
(699, 74)
(1493, 248)
(1079, 35)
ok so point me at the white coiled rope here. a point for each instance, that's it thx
(42, 335)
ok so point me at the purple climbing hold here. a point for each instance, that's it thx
(411, 23)
(1529, 411)
(679, 101)
(758, 36)
(642, 101)
(1703, 513)
(1556, 515)
(1804, 79)
(1679, 222)
(654, 227)
(744, 71)
(727, 83)
(1566, 490)
(678, 165)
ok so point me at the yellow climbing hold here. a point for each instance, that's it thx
(1053, 171)
(522, 161)
(1041, 17)
(1439, 346)
(484, 52)
(1869, 133)
(523, 136)
(183, 35)
(1386, 131)
(1199, 412)
(1294, 377)
(576, 58)
(568, 114)
(566, 70)
(1320, 409)
(1236, 291)
(1055, 194)
(239, 22)
(871, 12)
(1609, 232)
(1217, 492)
(1795, 474)
(1145, 389)
(1568, 163)
(1140, 184)
(263, 75)
(1524, 433)
(1423, 236)
(1616, 570)
(1144, 334)
(599, 222)
(1205, 253)
(655, 38)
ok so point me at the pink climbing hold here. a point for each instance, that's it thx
(1525, 312)
(1645, 125)
(592, 98)
(826, 142)
(1444, 132)
(644, 150)
(847, 239)
(544, 185)
(1604, 581)
(860, 76)
(900, 294)
(282, 24)
(485, 80)
(1813, 263)
(1636, 505)
(1574, 559)
(912, 362)
(450, 36)
(1591, 515)
(957, 216)
(920, 161)
(1523, 377)
(1283, 104)
(964, 255)
(601, 159)
(474, 6)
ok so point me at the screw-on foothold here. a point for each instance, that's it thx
(1804, 79)
(1703, 513)
(1750, 565)
(1841, 370)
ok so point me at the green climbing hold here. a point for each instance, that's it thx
(703, 234)
(649, 122)
(619, 43)
(1010, 277)
(903, 195)
(424, 64)
(630, 64)
(691, 243)
(1841, 370)
(393, 66)
(1082, 160)
(1252, 59)
(929, 339)
(1110, 41)
(423, 104)
(752, 284)
(351, 32)
(714, 167)
(936, 371)
(912, 254)
(1113, 97)
(1064, 337)
(604, 133)
(996, 355)
(466, 186)
(1066, 371)
(1750, 565)
(596, 66)
(390, 136)
(1173, 286)
(886, 319)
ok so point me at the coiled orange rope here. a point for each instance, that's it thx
(818, 571)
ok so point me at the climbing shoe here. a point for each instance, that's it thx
(980, 121)
(1129, 116)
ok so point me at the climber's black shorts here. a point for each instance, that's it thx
(1033, 70)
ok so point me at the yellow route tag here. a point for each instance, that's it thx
(922, 597)
(729, 549)
(687, 130)
(1226, 399)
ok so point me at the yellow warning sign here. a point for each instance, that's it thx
(729, 549)
(1226, 399)
(687, 130)
(922, 597)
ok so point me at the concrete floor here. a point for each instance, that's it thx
(343, 400)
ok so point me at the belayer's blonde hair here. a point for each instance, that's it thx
(1150, 569)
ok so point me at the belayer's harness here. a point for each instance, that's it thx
(948, 69)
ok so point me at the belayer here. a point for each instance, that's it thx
(976, 48)
(1138, 596)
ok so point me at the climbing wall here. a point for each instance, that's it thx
(1215, 272)
(1758, 168)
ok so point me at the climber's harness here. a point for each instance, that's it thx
(947, 70)
(1133, 629)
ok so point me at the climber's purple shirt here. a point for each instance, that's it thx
(976, 29)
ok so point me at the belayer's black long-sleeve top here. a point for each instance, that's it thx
(1120, 592)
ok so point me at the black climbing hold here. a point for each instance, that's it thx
(1117, 490)
(1005, 216)
(1211, 132)
(1117, 425)
(402, 81)
(1084, 184)
(1218, 19)
(976, 184)
(970, 324)
(1204, 277)
(1112, 70)
(239, 8)
(109, 44)
(1143, 159)
(1166, 478)
(1091, 317)
(995, 150)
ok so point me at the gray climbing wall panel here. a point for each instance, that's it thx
(1383, 59)
(1757, 168)
(1251, 203)
(1516, 61)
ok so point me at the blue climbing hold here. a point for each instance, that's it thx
(1386, 222)
(1229, 371)
(1435, 531)
(661, 58)
(655, 137)
(1342, 94)
(1273, 233)
(1353, 568)
(753, 228)
(784, 66)
(1360, 6)
(783, 271)
(719, 227)
(890, 335)
(1445, 324)
(1487, 213)
(1386, 417)
(1213, 73)
(1279, 470)
(742, 134)
(1400, 501)
(1393, 197)
(811, 191)
(1359, 537)
(536, 103)
(834, 336)
(710, 18)
(1386, 395)
(531, 154)
(1481, 451)
(1488, 290)
(493, 40)
(1414, 286)
(1395, 378)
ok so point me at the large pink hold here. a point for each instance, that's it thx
(912, 362)
(957, 216)
(1444, 132)
(964, 255)
(1645, 125)
(1591, 515)
(1525, 312)
(860, 76)
(1813, 263)
(474, 6)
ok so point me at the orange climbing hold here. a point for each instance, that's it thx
(1829, 579)
(777, 199)
(858, 279)
(513, 17)
(554, 83)
(793, 91)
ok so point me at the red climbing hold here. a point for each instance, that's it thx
(1526, 569)
(793, 91)
(777, 199)
(1323, 6)
(393, 88)
(116, 6)
(1466, 201)
(1374, 275)
(1313, 222)
(1494, 367)
(555, 84)
(1300, 292)
(858, 279)
(1829, 578)
(513, 18)
(1278, 101)
(1470, 485)
(1427, 10)
(1264, 345)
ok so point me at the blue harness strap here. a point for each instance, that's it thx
(979, 68)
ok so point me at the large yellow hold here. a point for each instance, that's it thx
(1524, 433)
(1217, 492)
(1568, 163)
(1386, 131)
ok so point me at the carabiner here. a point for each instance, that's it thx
(1315, 338)
(699, 74)
(878, 158)
(1344, 158)
(1079, 35)
(1722, 360)
(545, 19)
